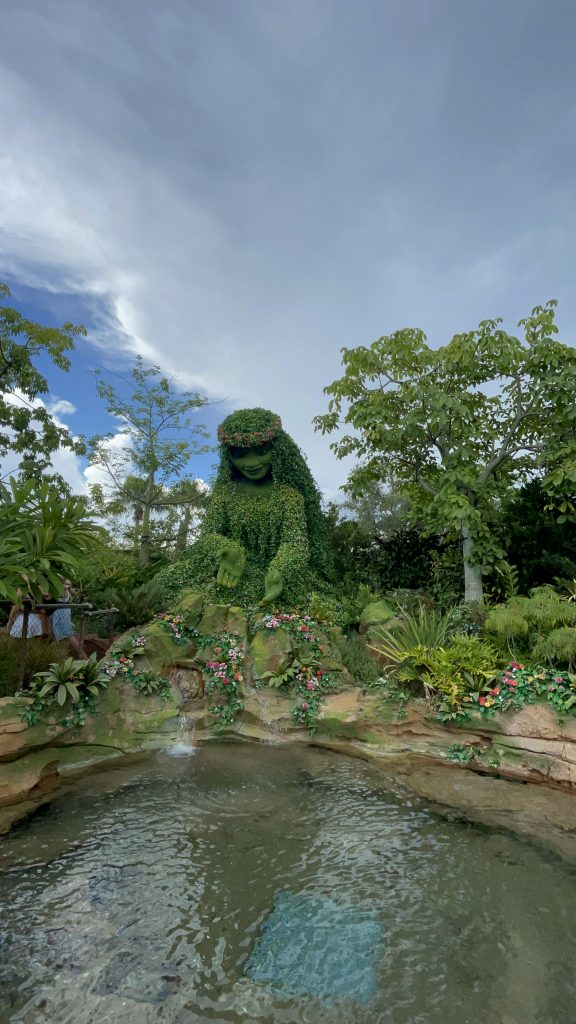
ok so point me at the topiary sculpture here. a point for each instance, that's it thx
(264, 539)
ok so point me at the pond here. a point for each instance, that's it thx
(270, 884)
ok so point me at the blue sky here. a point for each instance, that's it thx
(77, 386)
(237, 190)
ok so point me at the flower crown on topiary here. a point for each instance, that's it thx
(249, 428)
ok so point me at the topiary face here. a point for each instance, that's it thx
(252, 463)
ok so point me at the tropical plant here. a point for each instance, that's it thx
(70, 679)
(150, 683)
(457, 427)
(521, 622)
(43, 536)
(361, 665)
(420, 631)
(464, 666)
(557, 648)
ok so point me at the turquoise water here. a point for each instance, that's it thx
(182, 889)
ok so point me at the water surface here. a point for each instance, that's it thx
(141, 895)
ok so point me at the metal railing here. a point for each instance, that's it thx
(30, 607)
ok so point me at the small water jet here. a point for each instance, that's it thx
(269, 723)
(184, 745)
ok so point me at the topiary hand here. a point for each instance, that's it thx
(274, 585)
(230, 567)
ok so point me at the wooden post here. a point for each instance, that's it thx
(24, 647)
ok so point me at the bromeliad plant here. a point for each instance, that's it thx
(76, 683)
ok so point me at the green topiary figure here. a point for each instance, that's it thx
(264, 539)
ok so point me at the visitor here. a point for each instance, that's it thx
(38, 624)
(60, 620)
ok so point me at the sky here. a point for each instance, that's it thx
(236, 189)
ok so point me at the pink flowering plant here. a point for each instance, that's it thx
(224, 675)
(520, 684)
(176, 626)
(305, 676)
(123, 664)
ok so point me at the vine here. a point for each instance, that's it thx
(224, 674)
(308, 680)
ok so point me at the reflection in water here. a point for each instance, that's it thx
(144, 894)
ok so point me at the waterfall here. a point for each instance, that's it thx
(184, 744)
(272, 734)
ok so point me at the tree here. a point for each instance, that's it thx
(156, 451)
(456, 427)
(540, 548)
(26, 426)
(176, 513)
(379, 511)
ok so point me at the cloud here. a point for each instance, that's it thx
(63, 461)
(117, 445)
(243, 191)
(60, 407)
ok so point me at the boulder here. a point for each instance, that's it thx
(375, 614)
(270, 651)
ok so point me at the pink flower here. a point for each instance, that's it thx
(305, 706)
(482, 701)
(558, 679)
(310, 685)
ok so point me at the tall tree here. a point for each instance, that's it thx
(26, 427)
(161, 436)
(456, 427)
(175, 515)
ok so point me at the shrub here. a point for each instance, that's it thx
(426, 628)
(357, 659)
(355, 602)
(325, 610)
(516, 625)
(559, 647)
(39, 655)
(70, 679)
(465, 666)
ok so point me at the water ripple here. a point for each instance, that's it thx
(140, 895)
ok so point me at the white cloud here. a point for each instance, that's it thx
(60, 407)
(248, 194)
(63, 460)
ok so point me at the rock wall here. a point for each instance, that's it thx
(529, 747)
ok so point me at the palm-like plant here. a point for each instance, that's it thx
(422, 631)
(43, 534)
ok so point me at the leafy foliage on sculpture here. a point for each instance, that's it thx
(264, 539)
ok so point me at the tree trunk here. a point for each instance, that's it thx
(144, 556)
(136, 529)
(182, 535)
(473, 590)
